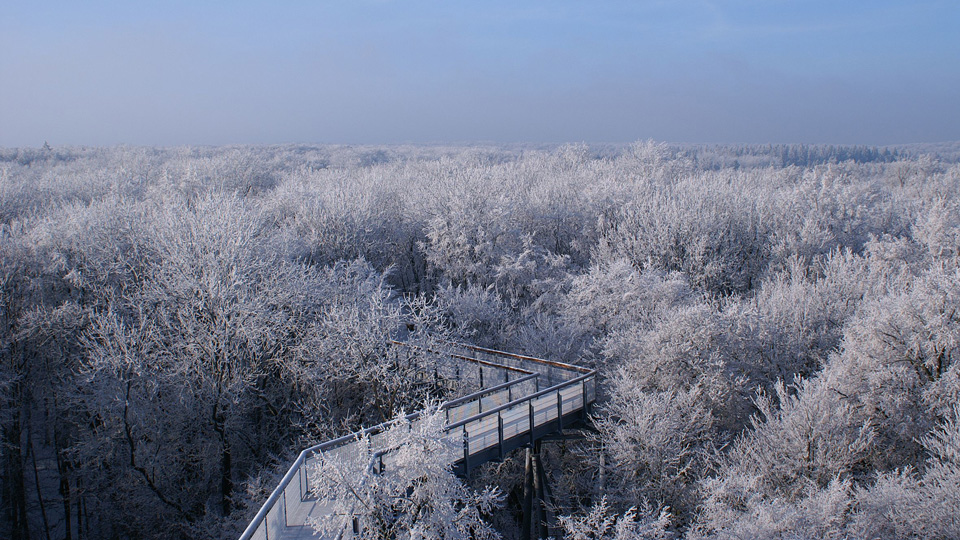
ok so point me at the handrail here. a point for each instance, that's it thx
(562, 365)
(488, 363)
(355, 436)
(491, 390)
(467, 358)
(518, 401)
(275, 496)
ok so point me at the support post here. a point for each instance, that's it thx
(583, 409)
(532, 425)
(500, 434)
(527, 497)
(559, 411)
(306, 477)
(537, 513)
(546, 499)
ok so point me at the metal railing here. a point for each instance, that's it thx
(491, 422)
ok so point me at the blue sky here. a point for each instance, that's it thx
(383, 71)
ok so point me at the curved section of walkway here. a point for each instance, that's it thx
(519, 400)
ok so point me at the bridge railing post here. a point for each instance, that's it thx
(500, 433)
(560, 411)
(532, 424)
(583, 396)
(306, 477)
(466, 450)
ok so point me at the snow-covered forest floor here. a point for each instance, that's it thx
(777, 328)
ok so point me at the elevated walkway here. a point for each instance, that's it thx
(520, 399)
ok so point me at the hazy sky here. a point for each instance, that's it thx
(382, 71)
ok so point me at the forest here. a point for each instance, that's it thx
(776, 329)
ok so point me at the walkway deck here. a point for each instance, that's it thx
(520, 400)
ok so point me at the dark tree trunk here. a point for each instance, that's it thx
(65, 494)
(226, 461)
(226, 481)
(14, 486)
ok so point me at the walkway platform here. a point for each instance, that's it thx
(519, 400)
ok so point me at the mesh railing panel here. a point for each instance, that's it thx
(544, 409)
(516, 420)
(260, 533)
(551, 373)
(275, 521)
(483, 433)
(462, 412)
(572, 398)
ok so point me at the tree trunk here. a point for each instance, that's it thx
(65, 495)
(226, 461)
(36, 484)
(226, 482)
(15, 489)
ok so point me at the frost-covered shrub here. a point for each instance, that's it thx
(686, 349)
(866, 411)
(795, 320)
(906, 504)
(599, 523)
(898, 364)
(833, 206)
(790, 473)
(814, 514)
(657, 445)
(698, 226)
(796, 440)
(937, 229)
(616, 296)
(332, 216)
(475, 313)
(470, 229)
(534, 275)
(187, 357)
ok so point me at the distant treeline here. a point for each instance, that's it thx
(706, 156)
(800, 155)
